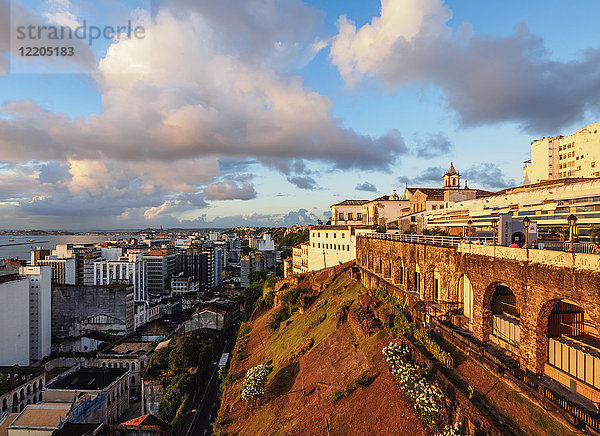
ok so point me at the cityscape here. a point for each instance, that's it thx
(299, 217)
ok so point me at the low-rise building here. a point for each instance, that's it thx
(347, 213)
(133, 356)
(21, 386)
(100, 394)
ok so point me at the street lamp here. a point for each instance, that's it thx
(572, 220)
(494, 224)
(526, 223)
(470, 226)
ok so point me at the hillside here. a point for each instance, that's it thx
(343, 363)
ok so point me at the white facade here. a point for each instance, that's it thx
(40, 317)
(130, 269)
(266, 243)
(348, 212)
(331, 245)
(14, 321)
(576, 155)
(184, 285)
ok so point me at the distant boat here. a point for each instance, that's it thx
(31, 240)
(10, 240)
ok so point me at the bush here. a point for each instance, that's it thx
(301, 349)
(159, 360)
(365, 317)
(254, 384)
(175, 394)
(412, 379)
(422, 336)
(279, 316)
(185, 354)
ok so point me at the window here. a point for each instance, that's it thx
(341, 216)
(334, 235)
(327, 235)
(347, 248)
(359, 216)
(343, 235)
(349, 216)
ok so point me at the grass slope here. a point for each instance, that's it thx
(299, 397)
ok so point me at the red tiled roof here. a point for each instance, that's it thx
(147, 420)
(351, 203)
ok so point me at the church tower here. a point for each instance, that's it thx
(451, 178)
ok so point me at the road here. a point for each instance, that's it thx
(208, 408)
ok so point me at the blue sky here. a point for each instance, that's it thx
(266, 112)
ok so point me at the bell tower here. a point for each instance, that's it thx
(451, 178)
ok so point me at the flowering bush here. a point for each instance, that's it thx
(412, 380)
(452, 430)
(254, 384)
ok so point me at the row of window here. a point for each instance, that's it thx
(318, 235)
(350, 216)
(332, 246)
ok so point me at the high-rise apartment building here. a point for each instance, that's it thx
(576, 155)
(161, 265)
(129, 269)
(40, 319)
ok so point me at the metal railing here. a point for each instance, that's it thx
(578, 247)
(448, 241)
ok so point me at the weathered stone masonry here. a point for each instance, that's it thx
(537, 282)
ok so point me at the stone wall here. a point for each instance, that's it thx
(537, 278)
(71, 304)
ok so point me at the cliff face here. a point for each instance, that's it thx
(327, 375)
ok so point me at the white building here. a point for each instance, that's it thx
(129, 269)
(181, 285)
(14, 320)
(348, 212)
(40, 318)
(62, 271)
(331, 245)
(576, 155)
(262, 244)
(111, 253)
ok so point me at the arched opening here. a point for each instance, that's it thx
(28, 390)
(22, 395)
(465, 296)
(437, 279)
(15, 403)
(4, 405)
(573, 343)
(506, 318)
(418, 287)
(34, 387)
(399, 273)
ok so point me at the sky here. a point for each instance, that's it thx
(266, 112)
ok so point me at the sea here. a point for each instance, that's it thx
(10, 250)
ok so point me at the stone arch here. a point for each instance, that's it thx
(35, 389)
(4, 404)
(436, 289)
(562, 319)
(464, 295)
(418, 281)
(22, 395)
(28, 390)
(15, 403)
(500, 307)
(398, 276)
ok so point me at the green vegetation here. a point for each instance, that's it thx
(348, 389)
(302, 348)
(175, 396)
(289, 304)
(401, 325)
(435, 232)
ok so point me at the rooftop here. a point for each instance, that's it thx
(88, 379)
(351, 203)
(132, 348)
(48, 415)
(147, 420)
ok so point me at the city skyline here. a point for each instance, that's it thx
(256, 113)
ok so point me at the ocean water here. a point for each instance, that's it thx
(22, 251)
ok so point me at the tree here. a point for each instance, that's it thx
(175, 394)
(595, 235)
(185, 354)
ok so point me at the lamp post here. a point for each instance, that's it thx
(572, 220)
(494, 224)
(470, 226)
(526, 223)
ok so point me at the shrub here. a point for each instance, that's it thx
(452, 430)
(175, 394)
(412, 379)
(185, 354)
(279, 316)
(301, 349)
(254, 384)
(422, 336)
(367, 320)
